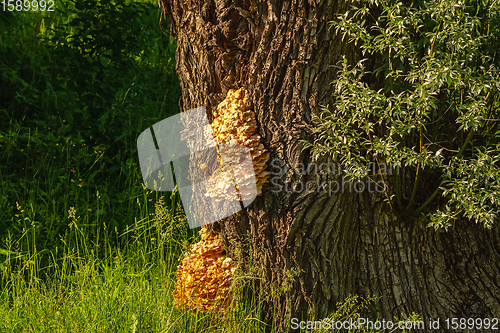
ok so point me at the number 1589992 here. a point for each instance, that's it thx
(27, 5)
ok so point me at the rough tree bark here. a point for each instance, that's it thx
(342, 243)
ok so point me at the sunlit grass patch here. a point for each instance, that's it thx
(87, 289)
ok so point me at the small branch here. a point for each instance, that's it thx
(414, 191)
(415, 184)
(433, 195)
(398, 191)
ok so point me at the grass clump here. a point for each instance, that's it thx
(93, 287)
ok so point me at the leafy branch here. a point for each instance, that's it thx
(440, 70)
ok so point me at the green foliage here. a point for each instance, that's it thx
(78, 87)
(436, 114)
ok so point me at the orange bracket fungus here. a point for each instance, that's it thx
(204, 277)
(233, 131)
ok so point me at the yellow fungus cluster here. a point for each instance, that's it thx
(204, 278)
(233, 131)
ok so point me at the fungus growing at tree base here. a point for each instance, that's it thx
(204, 278)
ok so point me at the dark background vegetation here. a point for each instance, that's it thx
(78, 85)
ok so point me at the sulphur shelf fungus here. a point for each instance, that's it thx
(205, 276)
(233, 133)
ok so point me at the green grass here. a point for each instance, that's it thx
(93, 286)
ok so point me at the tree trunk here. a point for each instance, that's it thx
(314, 245)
